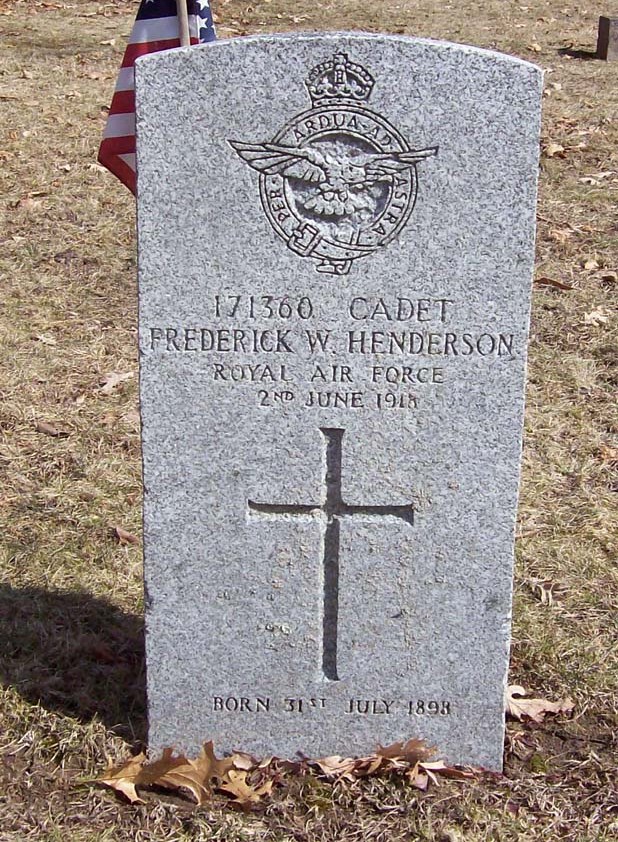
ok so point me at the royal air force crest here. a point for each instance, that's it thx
(338, 181)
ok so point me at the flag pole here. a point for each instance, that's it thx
(183, 22)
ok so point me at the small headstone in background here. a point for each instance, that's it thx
(607, 39)
(336, 238)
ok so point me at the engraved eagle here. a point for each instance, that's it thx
(341, 181)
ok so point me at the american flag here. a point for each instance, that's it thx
(156, 28)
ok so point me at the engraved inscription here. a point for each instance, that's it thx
(229, 703)
(331, 511)
(302, 362)
(262, 307)
(241, 704)
(338, 181)
(303, 705)
(422, 707)
(370, 706)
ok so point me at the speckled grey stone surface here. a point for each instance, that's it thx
(329, 528)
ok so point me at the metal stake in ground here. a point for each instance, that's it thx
(331, 511)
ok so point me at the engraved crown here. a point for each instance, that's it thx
(339, 81)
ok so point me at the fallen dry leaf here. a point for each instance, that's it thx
(244, 761)
(336, 766)
(113, 379)
(412, 751)
(411, 758)
(247, 780)
(552, 282)
(554, 150)
(123, 778)
(219, 768)
(172, 771)
(535, 709)
(417, 778)
(178, 772)
(596, 317)
(439, 767)
(244, 793)
(50, 430)
(125, 537)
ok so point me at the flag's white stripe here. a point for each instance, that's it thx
(126, 79)
(130, 160)
(126, 75)
(120, 125)
(157, 29)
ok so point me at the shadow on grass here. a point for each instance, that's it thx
(572, 52)
(75, 654)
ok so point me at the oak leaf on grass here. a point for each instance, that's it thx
(123, 778)
(411, 759)
(113, 379)
(519, 707)
(179, 772)
(170, 771)
(247, 780)
(50, 430)
(336, 766)
(244, 793)
(247, 762)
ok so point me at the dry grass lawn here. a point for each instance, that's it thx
(71, 651)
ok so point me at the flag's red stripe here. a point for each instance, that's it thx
(134, 51)
(119, 145)
(117, 166)
(123, 102)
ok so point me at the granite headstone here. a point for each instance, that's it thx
(336, 238)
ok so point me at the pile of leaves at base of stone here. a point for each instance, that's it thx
(246, 780)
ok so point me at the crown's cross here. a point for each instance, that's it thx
(330, 512)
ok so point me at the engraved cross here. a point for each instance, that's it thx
(331, 511)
